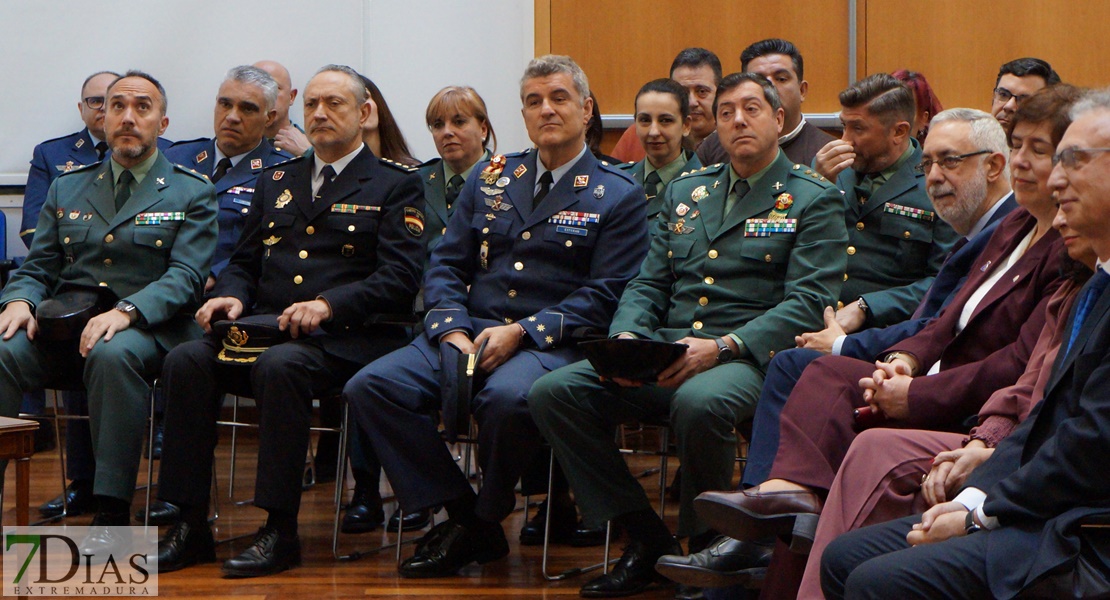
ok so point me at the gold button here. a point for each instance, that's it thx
(245, 211)
(569, 243)
(158, 243)
(485, 230)
(350, 228)
(527, 235)
(298, 279)
(512, 293)
(670, 254)
(443, 232)
(859, 226)
(103, 284)
(303, 254)
(771, 354)
(107, 262)
(906, 235)
(708, 281)
(712, 254)
(66, 240)
(270, 225)
(839, 305)
(108, 238)
(845, 277)
(851, 250)
(508, 321)
(703, 301)
(697, 324)
(767, 258)
(310, 230)
(518, 266)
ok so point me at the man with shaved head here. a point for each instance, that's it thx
(284, 133)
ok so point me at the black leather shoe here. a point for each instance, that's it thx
(414, 521)
(449, 547)
(79, 494)
(584, 537)
(185, 545)
(161, 513)
(364, 513)
(270, 553)
(725, 562)
(108, 536)
(688, 592)
(634, 573)
(155, 450)
(564, 521)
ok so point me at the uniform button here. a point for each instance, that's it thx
(158, 243)
(310, 230)
(485, 230)
(708, 281)
(103, 284)
(851, 250)
(527, 235)
(712, 254)
(108, 238)
(906, 234)
(569, 243)
(512, 293)
(443, 232)
(697, 325)
(270, 224)
(845, 277)
(448, 207)
(350, 228)
(669, 254)
(303, 254)
(771, 354)
(298, 279)
(508, 321)
(66, 240)
(859, 226)
(703, 301)
(518, 266)
(839, 305)
(107, 262)
(245, 211)
(767, 258)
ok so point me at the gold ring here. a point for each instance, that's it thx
(924, 478)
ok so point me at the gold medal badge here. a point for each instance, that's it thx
(782, 205)
(285, 198)
(699, 193)
(492, 172)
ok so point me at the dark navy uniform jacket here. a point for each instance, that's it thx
(359, 248)
(52, 158)
(555, 269)
(234, 190)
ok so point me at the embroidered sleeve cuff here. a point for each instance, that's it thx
(838, 344)
(971, 498)
(439, 321)
(545, 329)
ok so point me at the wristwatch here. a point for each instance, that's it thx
(128, 309)
(724, 352)
(970, 526)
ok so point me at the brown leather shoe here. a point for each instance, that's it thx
(751, 514)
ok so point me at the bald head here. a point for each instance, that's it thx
(286, 94)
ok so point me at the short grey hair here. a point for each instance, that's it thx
(986, 132)
(552, 64)
(257, 77)
(1091, 101)
(358, 88)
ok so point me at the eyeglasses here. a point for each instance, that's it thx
(94, 102)
(1003, 95)
(1072, 157)
(947, 163)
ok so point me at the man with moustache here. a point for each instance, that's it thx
(145, 230)
(329, 241)
(283, 133)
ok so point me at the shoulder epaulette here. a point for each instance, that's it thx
(81, 168)
(284, 163)
(806, 173)
(620, 169)
(397, 165)
(60, 138)
(189, 171)
(714, 168)
(431, 162)
(186, 142)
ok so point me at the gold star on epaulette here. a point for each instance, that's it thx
(449, 319)
(684, 173)
(549, 339)
(796, 167)
(531, 319)
(540, 328)
(435, 325)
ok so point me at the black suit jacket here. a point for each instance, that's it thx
(359, 247)
(1050, 473)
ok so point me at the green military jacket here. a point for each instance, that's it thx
(655, 203)
(763, 280)
(156, 252)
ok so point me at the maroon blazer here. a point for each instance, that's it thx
(990, 352)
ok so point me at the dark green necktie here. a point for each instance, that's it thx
(123, 189)
(651, 185)
(453, 188)
(740, 189)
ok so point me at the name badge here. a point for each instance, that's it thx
(572, 230)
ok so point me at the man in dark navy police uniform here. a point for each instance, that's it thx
(541, 244)
(233, 159)
(329, 241)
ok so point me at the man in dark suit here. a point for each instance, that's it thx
(142, 228)
(329, 241)
(1016, 527)
(234, 158)
(540, 245)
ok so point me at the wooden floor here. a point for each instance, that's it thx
(371, 576)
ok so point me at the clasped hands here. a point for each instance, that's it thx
(300, 317)
(504, 342)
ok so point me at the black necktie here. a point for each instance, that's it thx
(1086, 303)
(328, 172)
(221, 169)
(123, 190)
(651, 185)
(545, 187)
(453, 188)
(101, 150)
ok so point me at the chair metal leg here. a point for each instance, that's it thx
(604, 564)
(150, 456)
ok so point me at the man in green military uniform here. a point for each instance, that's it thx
(146, 230)
(743, 257)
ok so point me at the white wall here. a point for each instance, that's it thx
(410, 48)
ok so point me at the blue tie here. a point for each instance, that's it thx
(1087, 302)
